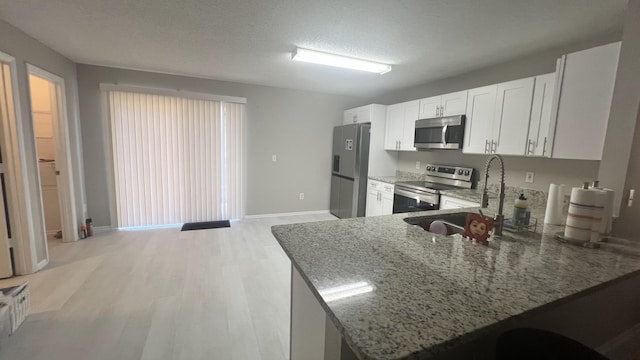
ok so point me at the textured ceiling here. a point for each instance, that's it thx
(250, 41)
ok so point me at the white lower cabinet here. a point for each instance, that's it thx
(379, 198)
(448, 202)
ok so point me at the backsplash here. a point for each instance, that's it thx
(547, 171)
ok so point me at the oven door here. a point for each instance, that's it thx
(440, 133)
(405, 201)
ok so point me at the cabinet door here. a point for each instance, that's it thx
(513, 112)
(429, 107)
(395, 122)
(454, 103)
(386, 207)
(350, 117)
(411, 114)
(585, 93)
(480, 113)
(541, 115)
(373, 204)
(363, 115)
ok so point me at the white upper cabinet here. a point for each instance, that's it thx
(454, 103)
(513, 111)
(412, 109)
(444, 105)
(430, 107)
(539, 126)
(357, 116)
(401, 122)
(481, 104)
(395, 124)
(582, 103)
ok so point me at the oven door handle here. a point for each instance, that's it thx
(428, 197)
(444, 135)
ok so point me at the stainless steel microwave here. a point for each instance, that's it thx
(440, 133)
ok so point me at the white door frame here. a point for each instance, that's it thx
(66, 194)
(18, 196)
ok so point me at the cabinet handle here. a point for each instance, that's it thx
(355, 118)
(439, 110)
(399, 144)
(379, 196)
(486, 146)
(494, 146)
(544, 147)
(529, 144)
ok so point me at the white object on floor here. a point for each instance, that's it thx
(17, 299)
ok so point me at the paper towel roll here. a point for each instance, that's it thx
(598, 210)
(580, 217)
(553, 214)
(565, 193)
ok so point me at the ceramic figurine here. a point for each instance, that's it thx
(477, 228)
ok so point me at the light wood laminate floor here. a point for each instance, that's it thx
(161, 294)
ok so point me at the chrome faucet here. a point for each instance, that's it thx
(498, 220)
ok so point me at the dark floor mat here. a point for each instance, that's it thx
(206, 225)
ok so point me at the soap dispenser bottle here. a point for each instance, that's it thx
(520, 211)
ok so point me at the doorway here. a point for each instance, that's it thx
(48, 110)
(42, 93)
(6, 263)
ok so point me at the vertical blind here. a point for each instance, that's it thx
(176, 159)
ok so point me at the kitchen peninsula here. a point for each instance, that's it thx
(423, 296)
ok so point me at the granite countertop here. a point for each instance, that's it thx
(473, 195)
(387, 179)
(433, 292)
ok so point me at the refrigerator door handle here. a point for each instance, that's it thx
(336, 163)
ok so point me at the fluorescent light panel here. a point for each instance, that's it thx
(317, 57)
(345, 291)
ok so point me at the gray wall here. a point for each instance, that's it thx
(618, 153)
(28, 50)
(546, 170)
(294, 125)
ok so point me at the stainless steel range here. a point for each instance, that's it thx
(410, 196)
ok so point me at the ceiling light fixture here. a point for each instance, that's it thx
(317, 57)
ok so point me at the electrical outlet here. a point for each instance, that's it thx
(529, 177)
(274, 158)
(417, 165)
(301, 196)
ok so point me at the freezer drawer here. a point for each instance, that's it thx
(342, 197)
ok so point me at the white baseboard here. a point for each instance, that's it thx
(102, 228)
(42, 264)
(262, 216)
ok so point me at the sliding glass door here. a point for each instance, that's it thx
(176, 159)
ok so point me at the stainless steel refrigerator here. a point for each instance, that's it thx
(350, 170)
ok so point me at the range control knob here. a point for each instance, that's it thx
(429, 168)
(460, 172)
(467, 172)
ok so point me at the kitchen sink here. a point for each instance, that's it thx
(454, 222)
